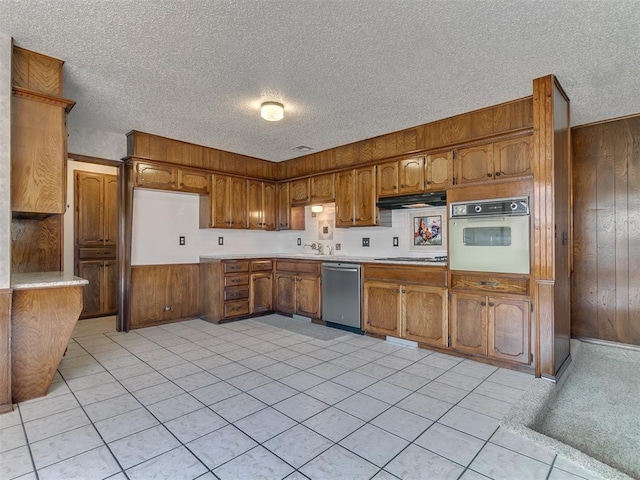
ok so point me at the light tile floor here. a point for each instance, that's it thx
(246, 400)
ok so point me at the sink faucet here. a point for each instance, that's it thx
(315, 246)
(330, 248)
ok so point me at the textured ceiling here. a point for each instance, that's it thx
(346, 70)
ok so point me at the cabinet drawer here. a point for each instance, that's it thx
(98, 252)
(232, 280)
(298, 266)
(490, 283)
(436, 276)
(239, 307)
(230, 267)
(235, 293)
(261, 265)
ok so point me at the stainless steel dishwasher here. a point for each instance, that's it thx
(341, 295)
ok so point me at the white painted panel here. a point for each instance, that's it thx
(5, 160)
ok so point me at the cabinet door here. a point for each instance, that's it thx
(475, 164)
(512, 158)
(323, 188)
(261, 293)
(220, 208)
(381, 308)
(308, 296)
(345, 199)
(365, 197)
(439, 171)
(193, 181)
(284, 206)
(110, 210)
(286, 292)
(155, 176)
(254, 204)
(388, 179)
(110, 287)
(469, 323)
(38, 157)
(269, 206)
(91, 270)
(238, 201)
(89, 195)
(508, 335)
(411, 175)
(425, 315)
(300, 194)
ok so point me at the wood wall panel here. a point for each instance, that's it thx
(36, 245)
(606, 284)
(36, 71)
(5, 351)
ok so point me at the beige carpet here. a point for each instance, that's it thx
(592, 416)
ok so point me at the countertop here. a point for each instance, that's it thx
(323, 258)
(27, 281)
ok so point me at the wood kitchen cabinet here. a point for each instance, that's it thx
(226, 205)
(261, 202)
(96, 231)
(300, 191)
(490, 316)
(356, 199)
(494, 161)
(167, 177)
(401, 177)
(323, 188)
(438, 171)
(261, 293)
(298, 287)
(163, 293)
(406, 302)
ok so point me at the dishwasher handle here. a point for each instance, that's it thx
(338, 269)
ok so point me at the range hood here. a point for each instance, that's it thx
(419, 200)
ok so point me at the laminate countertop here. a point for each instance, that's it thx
(322, 258)
(28, 281)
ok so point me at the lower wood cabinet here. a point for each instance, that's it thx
(492, 325)
(298, 287)
(261, 293)
(99, 297)
(406, 302)
(163, 293)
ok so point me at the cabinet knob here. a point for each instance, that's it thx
(429, 182)
(497, 174)
(395, 187)
(489, 175)
(483, 304)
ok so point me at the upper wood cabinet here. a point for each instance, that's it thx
(96, 200)
(226, 205)
(356, 198)
(438, 171)
(167, 177)
(38, 154)
(261, 202)
(498, 160)
(323, 188)
(401, 177)
(300, 191)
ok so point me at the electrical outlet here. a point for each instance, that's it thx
(182, 240)
(220, 240)
(365, 241)
(299, 241)
(338, 246)
(395, 241)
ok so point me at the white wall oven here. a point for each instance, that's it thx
(490, 235)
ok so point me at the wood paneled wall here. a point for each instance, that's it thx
(5, 351)
(36, 245)
(496, 120)
(606, 282)
(153, 147)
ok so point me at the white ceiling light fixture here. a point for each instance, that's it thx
(272, 111)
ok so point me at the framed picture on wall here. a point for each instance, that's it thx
(427, 229)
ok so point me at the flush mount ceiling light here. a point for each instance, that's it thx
(272, 111)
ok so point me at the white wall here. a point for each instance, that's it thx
(160, 218)
(5, 160)
(94, 143)
(69, 216)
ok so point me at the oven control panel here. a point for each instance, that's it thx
(500, 206)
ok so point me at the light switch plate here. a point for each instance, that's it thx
(182, 240)
(395, 241)
(299, 241)
(220, 240)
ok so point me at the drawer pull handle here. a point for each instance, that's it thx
(488, 284)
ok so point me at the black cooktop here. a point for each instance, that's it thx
(438, 259)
